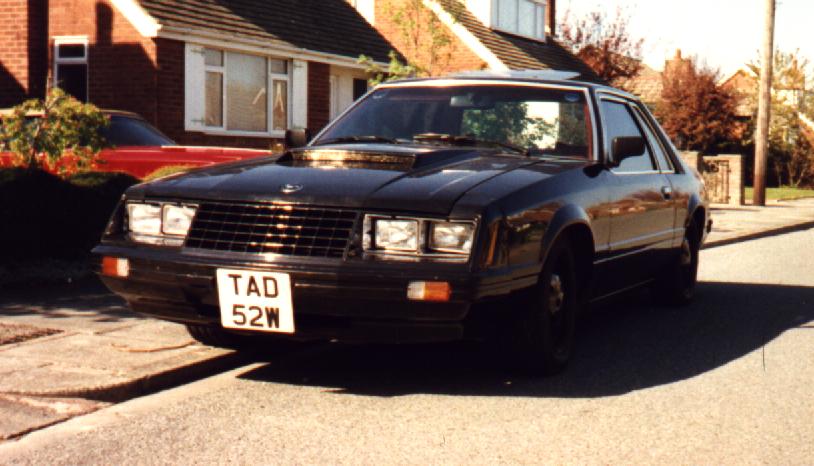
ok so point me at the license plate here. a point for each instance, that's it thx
(259, 301)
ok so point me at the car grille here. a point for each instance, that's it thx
(266, 228)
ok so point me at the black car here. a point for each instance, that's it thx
(475, 206)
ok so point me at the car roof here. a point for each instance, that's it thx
(553, 77)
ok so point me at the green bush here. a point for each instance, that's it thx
(45, 217)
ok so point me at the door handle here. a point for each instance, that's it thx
(667, 192)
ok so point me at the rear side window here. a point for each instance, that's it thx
(665, 164)
(126, 131)
(620, 122)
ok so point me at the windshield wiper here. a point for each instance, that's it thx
(468, 140)
(370, 138)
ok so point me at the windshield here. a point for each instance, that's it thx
(543, 121)
(125, 131)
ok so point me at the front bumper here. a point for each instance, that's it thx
(362, 301)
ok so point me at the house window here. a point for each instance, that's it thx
(521, 17)
(71, 66)
(245, 93)
(359, 88)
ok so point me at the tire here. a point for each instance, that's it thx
(216, 336)
(543, 338)
(676, 285)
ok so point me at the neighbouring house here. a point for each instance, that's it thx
(206, 72)
(497, 35)
(648, 85)
(743, 84)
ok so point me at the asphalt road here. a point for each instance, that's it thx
(724, 381)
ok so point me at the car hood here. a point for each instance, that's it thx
(372, 176)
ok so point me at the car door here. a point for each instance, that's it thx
(642, 209)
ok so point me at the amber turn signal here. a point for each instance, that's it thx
(115, 267)
(429, 291)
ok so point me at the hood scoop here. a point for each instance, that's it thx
(351, 159)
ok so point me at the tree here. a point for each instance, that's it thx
(789, 153)
(422, 38)
(694, 110)
(395, 70)
(58, 132)
(605, 44)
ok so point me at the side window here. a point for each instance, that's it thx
(620, 122)
(664, 162)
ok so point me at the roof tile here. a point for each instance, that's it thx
(327, 26)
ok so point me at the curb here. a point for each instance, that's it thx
(760, 234)
(145, 384)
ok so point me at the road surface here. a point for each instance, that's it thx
(727, 380)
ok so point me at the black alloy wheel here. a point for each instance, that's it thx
(544, 337)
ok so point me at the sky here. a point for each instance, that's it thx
(726, 34)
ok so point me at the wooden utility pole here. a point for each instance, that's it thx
(764, 108)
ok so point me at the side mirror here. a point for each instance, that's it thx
(297, 137)
(626, 147)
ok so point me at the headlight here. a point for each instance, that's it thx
(159, 223)
(144, 219)
(176, 220)
(451, 237)
(398, 235)
(414, 238)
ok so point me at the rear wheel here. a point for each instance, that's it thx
(676, 285)
(543, 339)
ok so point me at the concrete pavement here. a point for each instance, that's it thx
(79, 347)
(93, 348)
(732, 224)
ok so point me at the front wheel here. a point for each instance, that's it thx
(543, 339)
(215, 336)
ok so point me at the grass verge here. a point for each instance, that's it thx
(782, 193)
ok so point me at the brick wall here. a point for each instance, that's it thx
(319, 96)
(454, 57)
(23, 51)
(121, 63)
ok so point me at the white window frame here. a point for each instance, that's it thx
(270, 78)
(72, 40)
(540, 7)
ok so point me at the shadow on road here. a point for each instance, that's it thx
(622, 347)
(89, 298)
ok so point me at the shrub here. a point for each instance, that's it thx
(44, 216)
(41, 133)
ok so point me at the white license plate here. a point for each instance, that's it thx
(259, 301)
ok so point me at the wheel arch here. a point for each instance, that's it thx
(573, 223)
(697, 212)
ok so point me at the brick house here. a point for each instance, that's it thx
(206, 72)
(239, 72)
(497, 35)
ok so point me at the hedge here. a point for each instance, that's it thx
(43, 216)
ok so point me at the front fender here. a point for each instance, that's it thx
(566, 217)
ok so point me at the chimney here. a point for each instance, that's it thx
(551, 19)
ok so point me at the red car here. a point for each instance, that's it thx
(138, 149)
